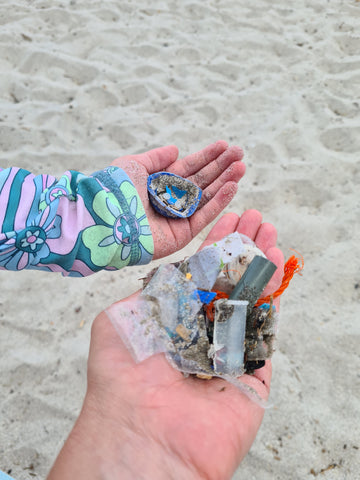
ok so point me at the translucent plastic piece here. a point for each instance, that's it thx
(176, 298)
(238, 265)
(206, 265)
(229, 337)
(136, 321)
(230, 247)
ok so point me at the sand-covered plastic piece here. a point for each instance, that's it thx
(173, 196)
(169, 316)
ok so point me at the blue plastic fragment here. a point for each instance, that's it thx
(170, 333)
(266, 306)
(179, 193)
(170, 199)
(206, 297)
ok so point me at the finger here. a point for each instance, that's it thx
(211, 210)
(249, 223)
(232, 174)
(195, 162)
(266, 237)
(208, 174)
(159, 159)
(226, 225)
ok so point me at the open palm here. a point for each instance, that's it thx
(216, 169)
(147, 420)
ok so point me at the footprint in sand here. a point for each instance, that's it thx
(57, 68)
(345, 139)
(349, 44)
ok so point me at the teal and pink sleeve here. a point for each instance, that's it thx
(76, 225)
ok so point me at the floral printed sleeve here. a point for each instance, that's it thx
(76, 225)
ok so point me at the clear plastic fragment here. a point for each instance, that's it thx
(229, 337)
(206, 265)
(136, 321)
(177, 300)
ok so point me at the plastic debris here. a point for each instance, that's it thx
(177, 298)
(206, 264)
(292, 265)
(229, 337)
(136, 321)
(172, 195)
(206, 297)
(237, 267)
(261, 329)
(172, 314)
(253, 282)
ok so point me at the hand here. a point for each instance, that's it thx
(147, 420)
(216, 170)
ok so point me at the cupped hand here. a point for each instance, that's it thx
(147, 420)
(216, 170)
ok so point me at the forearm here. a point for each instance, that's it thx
(76, 225)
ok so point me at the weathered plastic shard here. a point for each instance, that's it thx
(206, 297)
(193, 358)
(137, 323)
(229, 247)
(254, 281)
(237, 267)
(262, 321)
(177, 300)
(206, 265)
(204, 268)
(229, 337)
(261, 327)
(173, 196)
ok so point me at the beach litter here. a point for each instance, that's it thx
(173, 196)
(205, 313)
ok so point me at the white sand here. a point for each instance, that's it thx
(83, 82)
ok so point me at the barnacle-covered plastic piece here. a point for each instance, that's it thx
(261, 330)
(173, 196)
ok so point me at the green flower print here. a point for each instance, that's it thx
(126, 237)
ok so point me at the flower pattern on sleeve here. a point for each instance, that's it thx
(76, 225)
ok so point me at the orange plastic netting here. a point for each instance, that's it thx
(293, 265)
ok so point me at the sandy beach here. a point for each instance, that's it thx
(82, 83)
